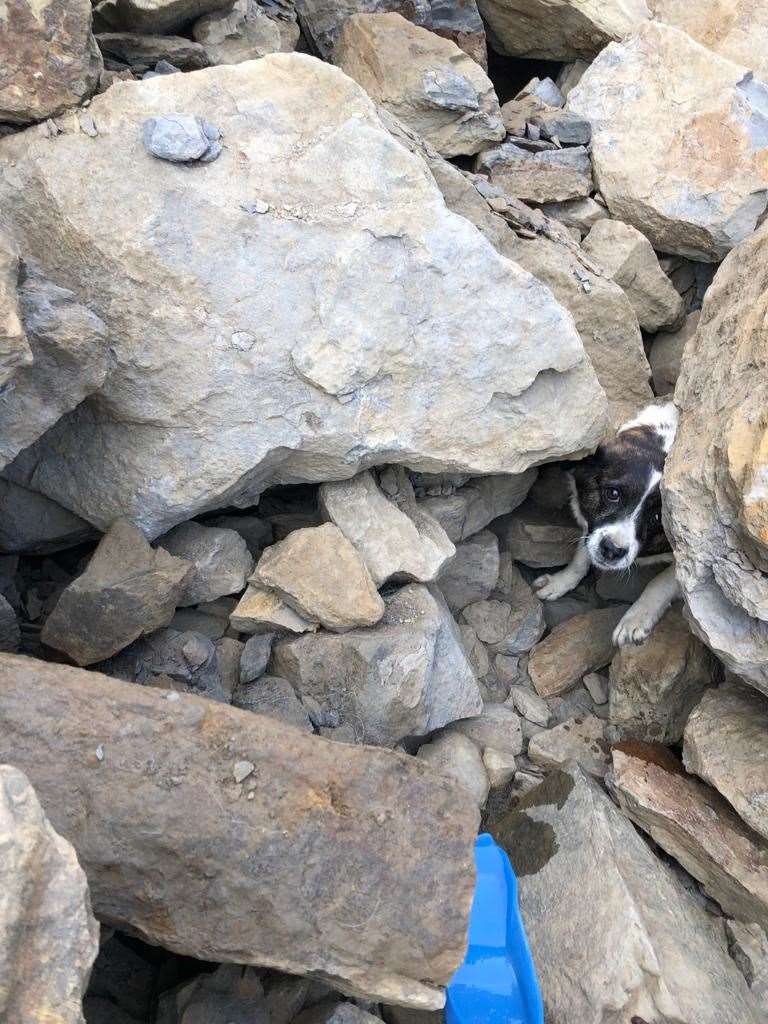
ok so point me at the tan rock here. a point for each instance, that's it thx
(698, 828)
(425, 81)
(243, 33)
(715, 497)
(579, 645)
(581, 214)
(49, 934)
(628, 259)
(666, 354)
(674, 149)
(726, 743)
(549, 176)
(736, 29)
(321, 576)
(127, 590)
(342, 835)
(655, 685)
(14, 348)
(578, 741)
(49, 60)
(260, 610)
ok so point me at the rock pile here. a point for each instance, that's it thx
(305, 310)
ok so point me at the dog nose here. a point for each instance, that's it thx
(610, 551)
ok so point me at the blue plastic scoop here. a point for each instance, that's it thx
(497, 982)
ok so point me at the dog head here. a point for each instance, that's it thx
(615, 493)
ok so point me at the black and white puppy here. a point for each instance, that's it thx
(616, 500)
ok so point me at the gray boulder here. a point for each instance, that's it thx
(473, 572)
(33, 524)
(457, 757)
(550, 176)
(220, 560)
(274, 697)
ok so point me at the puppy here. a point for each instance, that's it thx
(615, 499)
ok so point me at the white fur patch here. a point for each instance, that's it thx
(662, 418)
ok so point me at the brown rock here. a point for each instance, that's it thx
(550, 176)
(127, 590)
(154, 17)
(48, 58)
(345, 862)
(321, 575)
(260, 611)
(50, 936)
(699, 829)
(579, 645)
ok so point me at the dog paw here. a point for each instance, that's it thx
(634, 628)
(550, 588)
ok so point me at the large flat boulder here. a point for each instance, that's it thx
(726, 743)
(49, 935)
(715, 497)
(344, 862)
(637, 945)
(49, 60)
(570, 30)
(677, 150)
(434, 351)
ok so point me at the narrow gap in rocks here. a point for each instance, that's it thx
(510, 74)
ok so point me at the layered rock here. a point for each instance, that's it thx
(127, 589)
(407, 676)
(427, 82)
(243, 33)
(726, 743)
(714, 484)
(363, 875)
(301, 401)
(472, 507)
(142, 52)
(577, 742)
(573, 29)
(49, 60)
(49, 934)
(579, 645)
(594, 896)
(677, 150)
(547, 176)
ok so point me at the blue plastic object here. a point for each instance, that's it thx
(497, 982)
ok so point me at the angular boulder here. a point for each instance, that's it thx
(261, 610)
(155, 17)
(481, 500)
(579, 741)
(220, 560)
(347, 863)
(217, 408)
(473, 573)
(427, 82)
(33, 524)
(457, 757)
(243, 33)
(49, 60)
(678, 150)
(548, 176)
(142, 52)
(394, 536)
(572, 30)
(50, 937)
(726, 744)
(127, 589)
(579, 645)
(696, 826)
(655, 685)
(714, 488)
(407, 676)
(593, 896)
(319, 574)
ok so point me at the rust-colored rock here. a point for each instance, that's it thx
(579, 645)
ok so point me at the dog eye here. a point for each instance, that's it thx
(612, 494)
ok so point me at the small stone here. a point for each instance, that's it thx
(457, 756)
(498, 726)
(179, 138)
(255, 657)
(260, 610)
(100, 753)
(597, 687)
(275, 697)
(530, 705)
(538, 537)
(505, 628)
(500, 766)
(472, 573)
(221, 562)
(579, 741)
(242, 770)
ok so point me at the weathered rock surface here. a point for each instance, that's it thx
(407, 676)
(507, 627)
(220, 560)
(573, 29)
(579, 645)
(627, 257)
(49, 60)
(655, 685)
(676, 147)
(155, 17)
(427, 82)
(301, 401)
(70, 352)
(322, 21)
(726, 743)
(178, 853)
(14, 347)
(498, 728)
(49, 935)
(472, 507)
(127, 590)
(394, 536)
(141, 52)
(748, 945)
(699, 829)
(33, 524)
(580, 214)
(261, 611)
(714, 486)
(321, 575)
(549, 176)
(666, 354)
(538, 537)
(457, 757)
(473, 572)
(243, 33)
(736, 29)
(274, 697)
(594, 896)
(578, 741)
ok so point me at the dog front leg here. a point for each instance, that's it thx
(637, 623)
(552, 586)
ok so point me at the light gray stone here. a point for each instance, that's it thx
(563, 125)
(597, 687)
(593, 895)
(530, 705)
(473, 572)
(141, 52)
(458, 757)
(472, 507)
(748, 945)
(181, 138)
(407, 676)
(296, 403)
(550, 176)
(245, 32)
(255, 658)
(577, 741)
(508, 626)
(497, 727)
(220, 560)
(581, 214)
